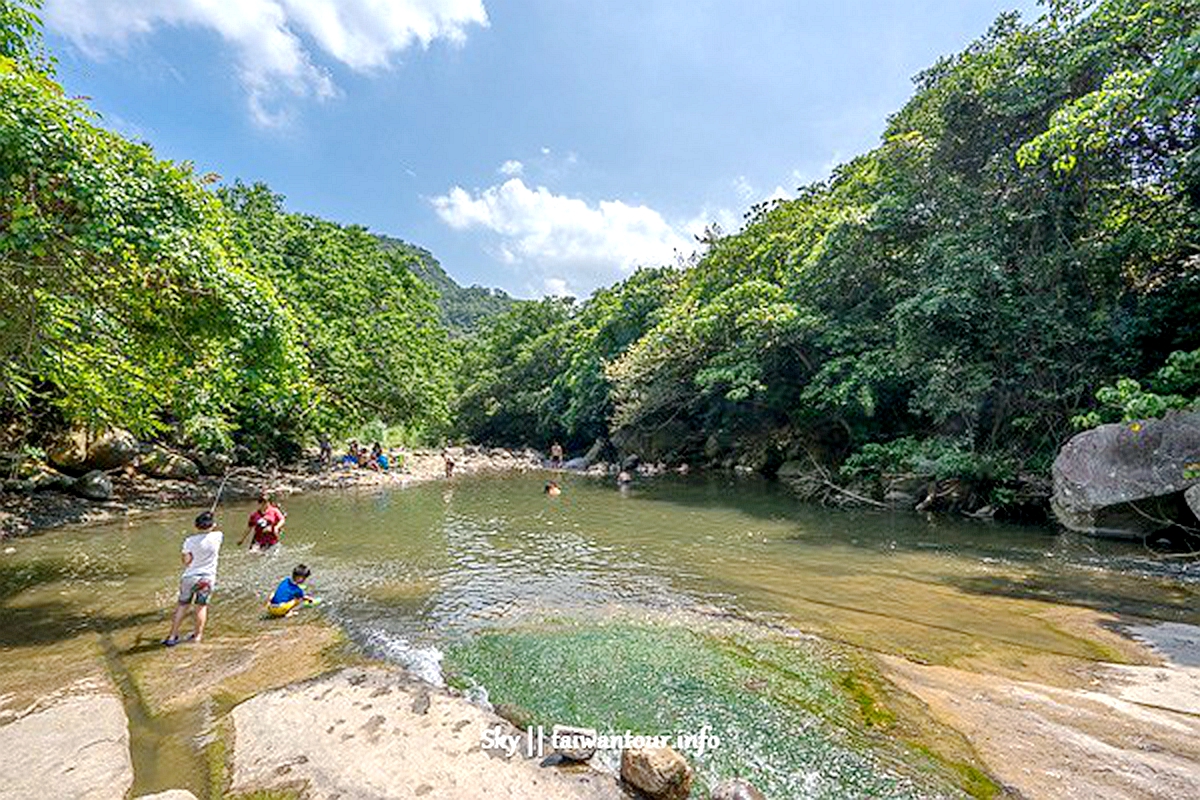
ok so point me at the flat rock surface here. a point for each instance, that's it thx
(1130, 735)
(75, 749)
(376, 734)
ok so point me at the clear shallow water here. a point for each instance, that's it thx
(676, 604)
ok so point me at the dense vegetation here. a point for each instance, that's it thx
(1025, 233)
(1018, 256)
(463, 308)
(135, 296)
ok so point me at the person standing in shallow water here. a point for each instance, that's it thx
(199, 555)
(556, 456)
(264, 525)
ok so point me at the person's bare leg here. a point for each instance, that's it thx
(177, 620)
(201, 618)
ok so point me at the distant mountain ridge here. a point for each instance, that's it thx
(463, 307)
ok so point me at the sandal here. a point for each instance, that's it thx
(170, 641)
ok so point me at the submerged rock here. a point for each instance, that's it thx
(574, 744)
(736, 789)
(660, 773)
(1129, 479)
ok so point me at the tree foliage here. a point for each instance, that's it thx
(1025, 232)
(132, 296)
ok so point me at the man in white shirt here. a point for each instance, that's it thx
(199, 556)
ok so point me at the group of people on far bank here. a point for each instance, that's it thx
(373, 458)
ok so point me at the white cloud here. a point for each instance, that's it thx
(511, 168)
(556, 287)
(565, 241)
(273, 61)
(743, 188)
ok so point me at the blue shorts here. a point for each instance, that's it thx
(194, 589)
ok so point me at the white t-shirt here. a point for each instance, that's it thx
(205, 548)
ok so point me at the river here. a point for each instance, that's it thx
(678, 606)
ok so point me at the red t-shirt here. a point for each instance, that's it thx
(264, 524)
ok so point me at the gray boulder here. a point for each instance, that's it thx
(576, 463)
(112, 449)
(792, 469)
(736, 789)
(573, 744)
(94, 485)
(1129, 479)
(162, 463)
(1192, 498)
(213, 463)
(595, 451)
(660, 773)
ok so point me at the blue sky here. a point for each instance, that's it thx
(541, 146)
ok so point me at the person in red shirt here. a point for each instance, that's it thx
(264, 525)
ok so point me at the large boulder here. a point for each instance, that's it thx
(162, 463)
(112, 449)
(598, 448)
(94, 485)
(660, 773)
(1192, 498)
(77, 451)
(1129, 479)
(214, 463)
(793, 469)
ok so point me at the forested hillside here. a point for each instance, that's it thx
(1025, 233)
(136, 295)
(463, 307)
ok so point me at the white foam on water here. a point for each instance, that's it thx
(424, 663)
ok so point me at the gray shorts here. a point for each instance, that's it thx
(195, 589)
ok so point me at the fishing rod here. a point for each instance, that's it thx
(228, 474)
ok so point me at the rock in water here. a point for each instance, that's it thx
(95, 485)
(162, 463)
(574, 744)
(736, 789)
(658, 772)
(1128, 479)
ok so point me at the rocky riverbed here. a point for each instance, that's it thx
(26, 509)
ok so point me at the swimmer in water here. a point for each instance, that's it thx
(552, 489)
